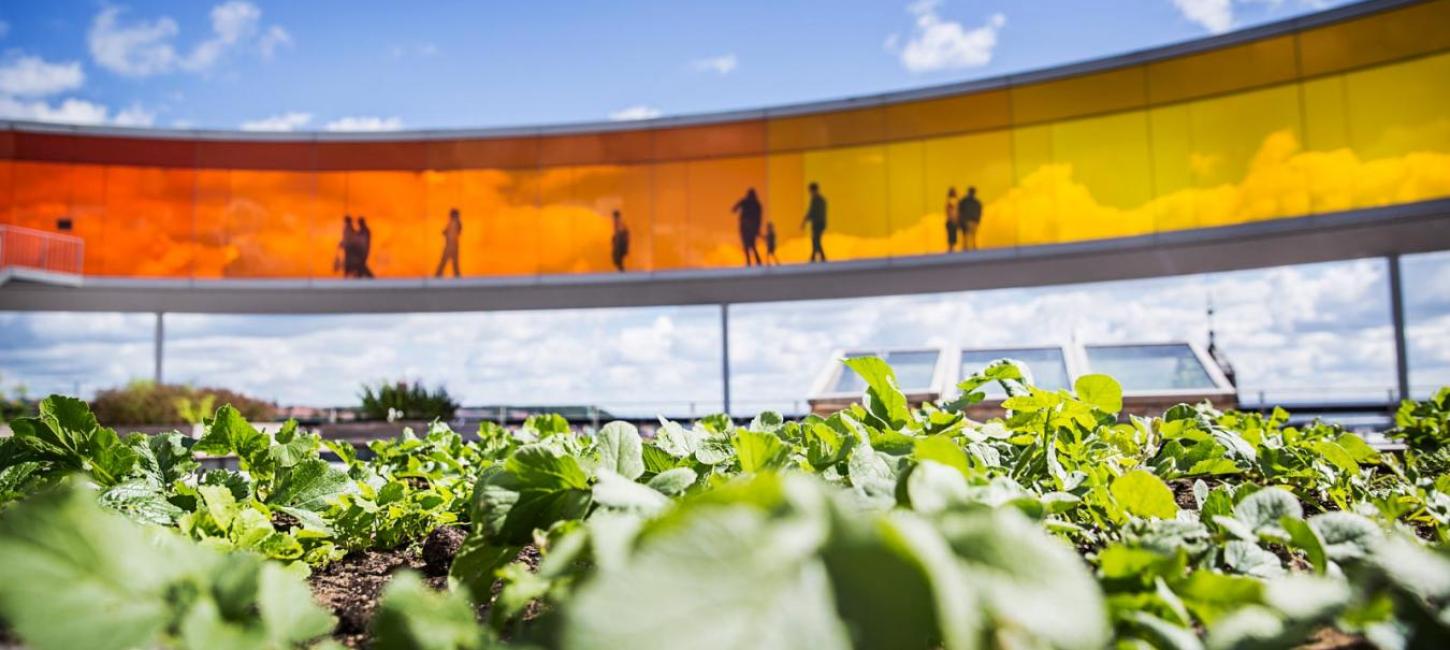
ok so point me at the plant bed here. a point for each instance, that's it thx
(1064, 524)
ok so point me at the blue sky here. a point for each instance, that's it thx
(388, 65)
(468, 64)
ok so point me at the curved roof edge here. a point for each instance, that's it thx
(1277, 28)
(1373, 232)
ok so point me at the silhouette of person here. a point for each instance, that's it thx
(450, 244)
(816, 216)
(364, 246)
(951, 219)
(770, 257)
(346, 261)
(619, 243)
(969, 215)
(750, 218)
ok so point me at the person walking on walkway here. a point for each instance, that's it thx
(346, 260)
(751, 214)
(364, 247)
(450, 244)
(619, 243)
(770, 257)
(952, 224)
(816, 217)
(969, 213)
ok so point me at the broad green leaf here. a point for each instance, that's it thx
(1101, 391)
(309, 484)
(1144, 495)
(1346, 536)
(1304, 538)
(1248, 627)
(615, 491)
(411, 616)
(759, 451)
(621, 450)
(1164, 635)
(1247, 558)
(872, 476)
(477, 560)
(141, 500)
(673, 482)
(1307, 598)
(1210, 594)
(1337, 455)
(932, 487)
(883, 398)
(287, 609)
(676, 440)
(942, 449)
(1262, 510)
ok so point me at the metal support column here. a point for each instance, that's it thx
(1397, 316)
(725, 353)
(160, 342)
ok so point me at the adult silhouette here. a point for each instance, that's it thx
(619, 243)
(346, 260)
(816, 217)
(364, 247)
(451, 233)
(751, 214)
(952, 225)
(969, 215)
(770, 257)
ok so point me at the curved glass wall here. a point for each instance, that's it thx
(1347, 115)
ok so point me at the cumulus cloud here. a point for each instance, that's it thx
(940, 44)
(290, 121)
(723, 64)
(32, 76)
(636, 112)
(72, 111)
(365, 123)
(1216, 16)
(141, 48)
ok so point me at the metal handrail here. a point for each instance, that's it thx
(40, 250)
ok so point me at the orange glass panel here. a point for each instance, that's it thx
(88, 213)
(785, 202)
(833, 129)
(574, 234)
(389, 208)
(7, 188)
(715, 186)
(148, 222)
(269, 221)
(670, 249)
(215, 252)
(604, 190)
(41, 194)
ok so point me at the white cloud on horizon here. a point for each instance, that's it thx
(1322, 326)
(636, 112)
(73, 111)
(365, 123)
(290, 121)
(144, 48)
(32, 76)
(940, 44)
(722, 65)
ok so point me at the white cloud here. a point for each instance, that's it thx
(940, 44)
(32, 76)
(290, 121)
(72, 111)
(4, 28)
(143, 48)
(420, 50)
(637, 112)
(1216, 16)
(365, 123)
(723, 64)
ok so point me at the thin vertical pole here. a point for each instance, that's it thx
(160, 342)
(1397, 315)
(725, 353)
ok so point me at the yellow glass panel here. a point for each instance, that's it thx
(1247, 157)
(852, 181)
(1084, 95)
(1400, 108)
(1171, 136)
(914, 231)
(1253, 64)
(785, 197)
(148, 222)
(982, 161)
(1376, 38)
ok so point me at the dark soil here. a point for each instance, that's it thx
(439, 548)
(1328, 638)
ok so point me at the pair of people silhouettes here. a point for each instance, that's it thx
(353, 250)
(965, 217)
(751, 216)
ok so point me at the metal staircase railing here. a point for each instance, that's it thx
(27, 253)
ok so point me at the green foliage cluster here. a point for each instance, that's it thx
(403, 401)
(1060, 525)
(145, 402)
